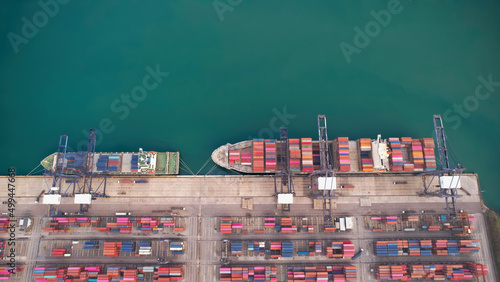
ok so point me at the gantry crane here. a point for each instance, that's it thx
(284, 173)
(453, 174)
(326, 172)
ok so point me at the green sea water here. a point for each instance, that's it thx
(240, 69)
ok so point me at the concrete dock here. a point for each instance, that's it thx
(207, 198)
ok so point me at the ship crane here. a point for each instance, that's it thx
(286, 190)
(449, 177)
(325, 176)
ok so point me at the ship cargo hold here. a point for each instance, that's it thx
(120, 163)
(365, 155)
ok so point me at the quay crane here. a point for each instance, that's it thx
(286, 191)
(448, 177)
(62, 172)
(325, 174)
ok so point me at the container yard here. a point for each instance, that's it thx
(382, 216)
(251, 245)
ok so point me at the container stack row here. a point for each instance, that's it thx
(177, 248)
(246, 156)
(257, 248)
(294, 147)
(343, 155)
(365, 149)
(134, 163)
(145, 248)
(406, 145)
(112, 249)
(287, 225)
(307, 155)
(4, 224)
(74, 161)
(417, 154)
(91, 245)
(7, 271)
(258, 155)
(225, 225)
(456, 272)
(127, 247)
(340, 249)
(396, 160)
(430, 158)
(102, 163)
(322, 273)
(269, 222)
(167, 274)
(306, 227)
(270, 155)
(234, 157)
(236, 248)
(251, 273)
(316, 156)
(60, 252)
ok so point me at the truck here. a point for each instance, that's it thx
(346, 186)
(357, 255)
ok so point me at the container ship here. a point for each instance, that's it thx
(365, 155)
(121, 163)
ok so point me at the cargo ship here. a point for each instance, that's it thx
(121, 163)
(365, 155)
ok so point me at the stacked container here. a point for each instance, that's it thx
(258, 155)
(343, 155)
(246, 156)
(91, 245)
(269, 222)
(365, 149)
(236, 248)
(457, 272)
(111, 249)
(396, 160)
(144, 248)
(322, 273)
(234, 157)
(307, 155)
(430, 158)
(270, 155)
(417, 154)
(340, 249)
(177, 248)
(102, 163)
(169, 273)
(225, 225)
(275, 251)
(294, 147)
(258, 248)
(287, 226)
(134, 163)
(114, 163)
(59, 252)
(252, 273)
(316, 156)
(128, 247)
(406, 145)
(287, 249)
